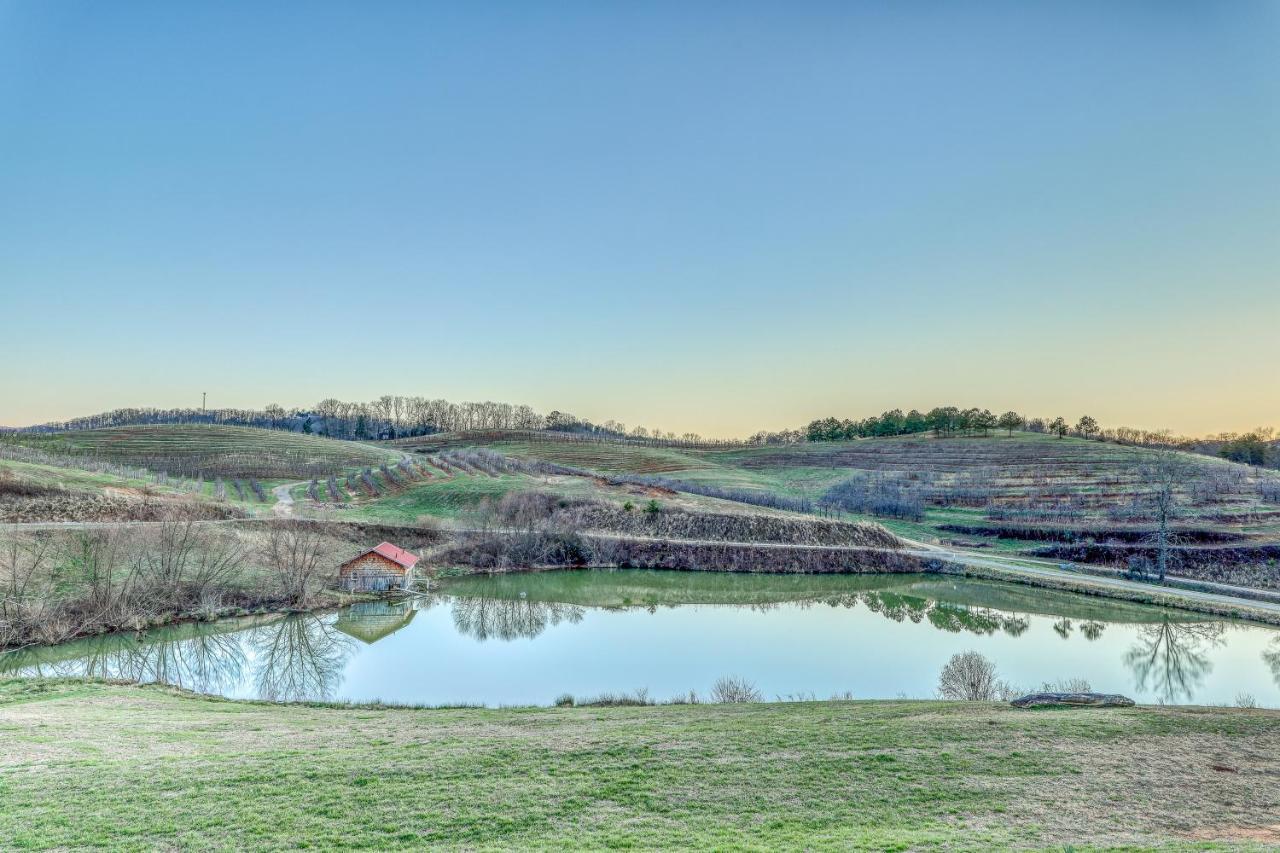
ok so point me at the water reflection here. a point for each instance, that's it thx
(685, 628)
(510, 619)
(485, 617)
(298, 657)
(1092, 629)
(302, 657)
(371, 621)
(208, 659)
(1171, 659)
(1271, 657)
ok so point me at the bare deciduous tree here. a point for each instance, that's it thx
(294, 552)
(970, 677)
(1163, 470)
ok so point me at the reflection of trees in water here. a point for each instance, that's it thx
(208, 661)
(896, 606)
(1170, 658)
(510, 618)
(953, 618)
(1271, 657)
(1063, 627)
(1092, 630)
(301, 657)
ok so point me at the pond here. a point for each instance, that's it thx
(527, 638)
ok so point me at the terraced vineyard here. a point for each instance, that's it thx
(1029, 493)
(32, 492)
(225, 451)
(604, 456)
(1021, 470)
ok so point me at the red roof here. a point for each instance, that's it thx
(392, 553)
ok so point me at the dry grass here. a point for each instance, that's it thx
(92, 764)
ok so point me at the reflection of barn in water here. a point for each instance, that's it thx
(370, 621)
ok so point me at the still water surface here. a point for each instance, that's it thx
(526, 638)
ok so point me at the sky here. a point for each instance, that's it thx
(712, 217)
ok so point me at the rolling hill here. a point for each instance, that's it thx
(1027, 493)
(214, 451)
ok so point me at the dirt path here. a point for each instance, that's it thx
(284, 501)
(1023, 567)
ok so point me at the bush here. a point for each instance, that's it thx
(1067, 685)
(732, 690)
(969, 677)
(889, 497)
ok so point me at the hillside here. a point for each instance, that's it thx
(150, 767)
(31, 492)
(1027, 493)
(214, 451)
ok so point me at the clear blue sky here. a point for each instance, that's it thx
(695, 216)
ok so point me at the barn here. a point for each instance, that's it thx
(384, 567)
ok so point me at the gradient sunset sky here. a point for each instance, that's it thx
(717, 217)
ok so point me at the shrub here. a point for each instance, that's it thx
(1067, 685)
(732, 690)
(890, 497)
(970, 677)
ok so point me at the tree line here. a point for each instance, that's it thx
(1259, 447)
(387, 417)
(396, 416)
(944, 420)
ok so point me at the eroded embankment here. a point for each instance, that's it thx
(756, 557)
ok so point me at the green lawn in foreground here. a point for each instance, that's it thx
(85, 764)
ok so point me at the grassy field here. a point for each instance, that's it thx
(87, 764)
(226, 451)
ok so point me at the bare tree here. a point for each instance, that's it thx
(184, 564)
(1163, 470)
(293, 554)
(968, 676)
(26, 601)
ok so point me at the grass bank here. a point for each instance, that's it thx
(89, 764)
